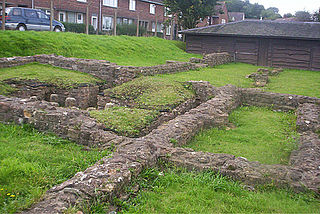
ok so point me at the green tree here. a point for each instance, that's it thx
(316, 16)
(189, 12)
(287, 15)
(303, 16)
(271, 13)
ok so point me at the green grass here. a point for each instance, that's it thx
(233, 73)
(259, 134)
(298, 82)
(32, 162)
(123, 50)
(179, 191)
(152, 92)
(125, 121)
(47, 73)
(5, 89)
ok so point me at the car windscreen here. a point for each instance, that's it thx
(7, 11)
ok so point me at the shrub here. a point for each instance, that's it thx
(78, 28)
(130, 30)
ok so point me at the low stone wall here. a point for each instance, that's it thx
(15, 61)
(214, 59)
(85, 95)
(256, 97)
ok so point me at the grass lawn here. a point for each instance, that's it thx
(179, 191)
(298, 82)
(233, 73)
(47, 73)
(259, 134)
(123, 50)
(125, 121)
(32, 162)
(152, 92)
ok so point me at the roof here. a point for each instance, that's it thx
(255, 28)
(160, 2)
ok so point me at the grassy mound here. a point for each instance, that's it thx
(124, 50)
(125, 121)
(32, 162)
(152, 93)
(259, 134)
(44, 73)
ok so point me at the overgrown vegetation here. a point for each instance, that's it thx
(5, 89)
(175, 190)
(125, 121)
(258, 134)
(152, 92)
(124, 50)
(44, 73)
(32, 162)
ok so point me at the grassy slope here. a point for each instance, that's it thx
(124, 50)
(179, 191)
(47, 73)
(125, 121)
(32, 162)
(260, 135)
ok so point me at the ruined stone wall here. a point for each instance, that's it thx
(214, 59)
(257, 97)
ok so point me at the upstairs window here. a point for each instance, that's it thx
(152, 8)
(132, 4)
(82, 0)
(110, 3)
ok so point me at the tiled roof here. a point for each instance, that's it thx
(256, 28)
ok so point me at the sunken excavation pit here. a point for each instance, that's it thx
(68, 116)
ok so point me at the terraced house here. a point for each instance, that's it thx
(103, 14)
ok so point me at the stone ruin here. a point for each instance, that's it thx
(261, 77)
(108, 177)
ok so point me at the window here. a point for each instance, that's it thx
(82, 0)
(16, 12)
(166, 12)
(71, 17)
(94, 22)
(168, 30)
(153, 26)
(223, 21)
(107, 23)
(62, 16)
(42, 15)
(132, 4)
(144, 24)
(79, 18)
(31, 13)
(110, 3)
(125, 21)
(159, 27)
(152, 8)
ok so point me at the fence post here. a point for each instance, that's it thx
(3, 15)
(138, 25)
(87, 22)
(115, 23)
(51, 15)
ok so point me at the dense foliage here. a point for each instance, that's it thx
(78, 28)
(189, 12)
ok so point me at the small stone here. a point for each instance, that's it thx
(54, 98)
(109, 105)
(70, 102)
(33, 98)
(79, 212)
(307, 122)
(91, 109)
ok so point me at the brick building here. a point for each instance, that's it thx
(102, 13)
(219, 16)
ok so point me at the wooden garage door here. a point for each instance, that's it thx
(246, 51)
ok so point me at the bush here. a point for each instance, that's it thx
(130, 30)
(78, 28)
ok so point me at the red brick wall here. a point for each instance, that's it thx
(142, 8)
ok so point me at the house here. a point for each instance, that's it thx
(103, 14)
(236, 16)
(264, 43)
(219, 16)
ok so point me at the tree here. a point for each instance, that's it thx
(287, 15)
(271, 13)
(189, 12)
(303, 16)
(316, 16)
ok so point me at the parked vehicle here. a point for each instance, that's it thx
(22, 19)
